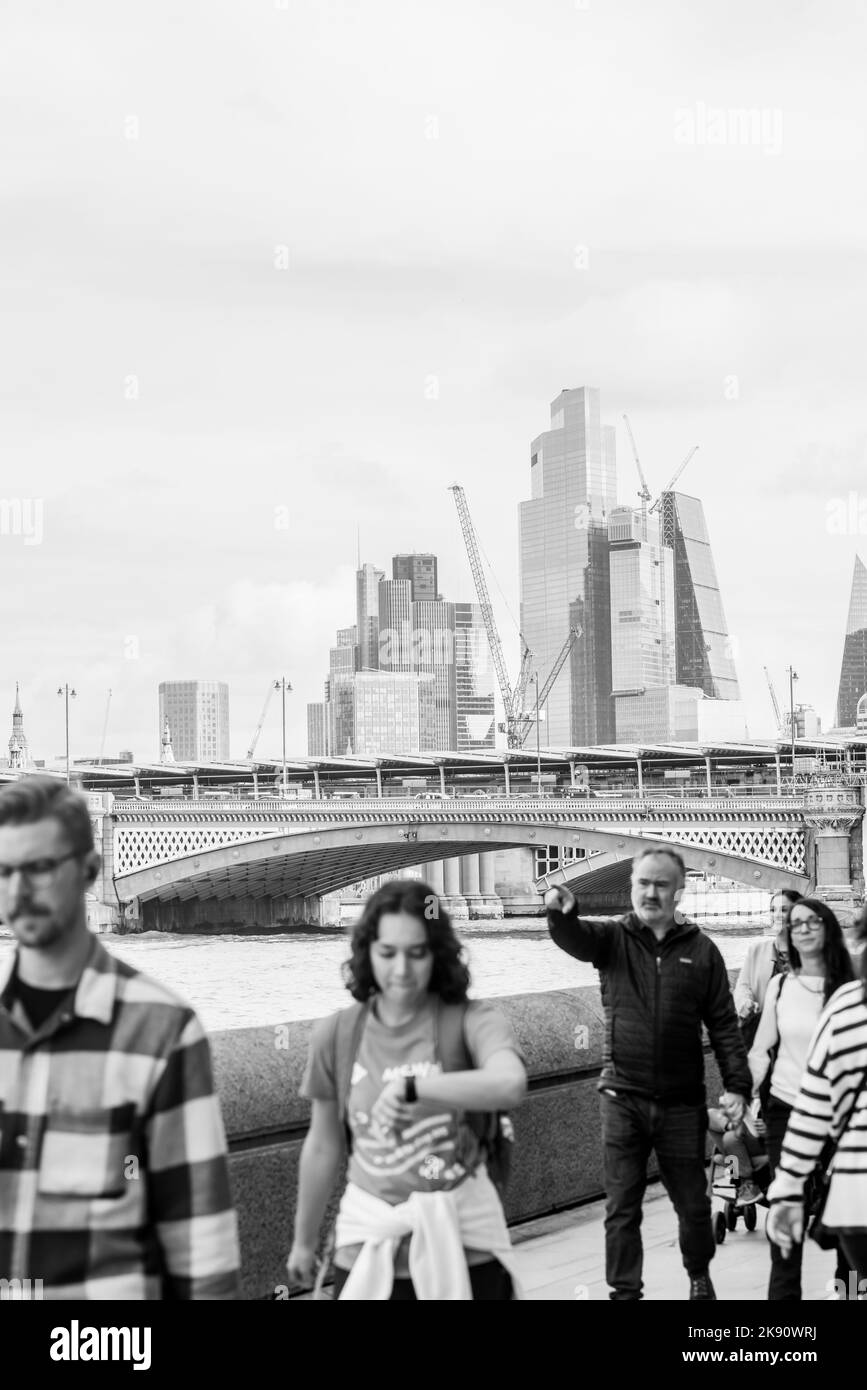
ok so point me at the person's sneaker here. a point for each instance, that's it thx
(701, 1289)
(749, 1192)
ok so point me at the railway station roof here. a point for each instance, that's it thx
(120, 776)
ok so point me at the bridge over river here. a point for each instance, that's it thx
(178, 864)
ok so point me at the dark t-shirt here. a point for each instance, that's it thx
(38, 1004)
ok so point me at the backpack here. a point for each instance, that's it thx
(492, 1128)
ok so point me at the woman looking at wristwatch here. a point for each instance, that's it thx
(420, 1217)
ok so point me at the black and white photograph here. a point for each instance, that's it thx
(433, 782)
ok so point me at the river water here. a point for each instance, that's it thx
(252, 981)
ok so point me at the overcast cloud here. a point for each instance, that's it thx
(272, 276)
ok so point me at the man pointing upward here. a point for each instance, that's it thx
(661, 978)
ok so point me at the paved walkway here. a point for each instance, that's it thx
(562, 1257)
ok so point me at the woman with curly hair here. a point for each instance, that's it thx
(419, 1217)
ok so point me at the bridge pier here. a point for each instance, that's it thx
(104, 912)
(453, 900)
(835, 857)
(228, 914)
(477, 885)
(477, 888)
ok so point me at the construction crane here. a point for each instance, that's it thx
(644, 493)
(517, 721)
(255, 739)
(677, 474)
(774, 700)
(484, 598)
(104, 728)
(527, 718)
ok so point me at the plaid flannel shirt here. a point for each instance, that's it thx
(113, 1173)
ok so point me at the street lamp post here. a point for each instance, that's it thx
(284, 685)
(68, 694)
(538, 750)
(793, 676)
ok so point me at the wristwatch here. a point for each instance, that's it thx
(410, 1094)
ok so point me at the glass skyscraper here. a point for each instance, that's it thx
(367, 616)
(395, 625)
(563, 533)
(386, 712)
(317, 729)
(853, 671)
(703, 650)
(642, 603)
(434, 661)
(474, 680)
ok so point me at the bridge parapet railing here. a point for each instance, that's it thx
(551, 808)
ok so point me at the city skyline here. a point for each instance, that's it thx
(220, 370)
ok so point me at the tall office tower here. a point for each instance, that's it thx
(433, 624)
(19, 753)
(347, 636)
(704, 658)
(563, 537)
(642, 604)
(317, 730)
(340, 709)
(386, 712)
(197, 713)
(395, 625)
(474, 680)
(341, 661)
(853, 671)
(421, 571)
(590, 668)
(367, 606)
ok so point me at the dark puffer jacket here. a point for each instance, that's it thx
(656, 997)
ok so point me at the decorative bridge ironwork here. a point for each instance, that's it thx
(204, 849)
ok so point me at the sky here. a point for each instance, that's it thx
(276, 273)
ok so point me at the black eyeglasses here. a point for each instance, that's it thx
(36, 870)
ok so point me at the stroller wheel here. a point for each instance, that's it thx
(731, 1216)
(750, 1216)
(719, 1228)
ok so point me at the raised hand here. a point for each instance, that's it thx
(559, 900)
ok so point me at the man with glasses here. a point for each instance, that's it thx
(113, 1173)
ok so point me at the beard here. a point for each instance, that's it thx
(38, 930)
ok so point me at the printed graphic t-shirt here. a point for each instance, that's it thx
(436, 1151)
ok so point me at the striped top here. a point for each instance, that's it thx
(835, 1066)
(113, 1171)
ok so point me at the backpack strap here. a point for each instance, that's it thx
(454, 1055)
(451, 1043)
(346, 1040)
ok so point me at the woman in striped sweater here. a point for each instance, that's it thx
(835, 1068)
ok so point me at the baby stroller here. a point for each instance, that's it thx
(739, 1174)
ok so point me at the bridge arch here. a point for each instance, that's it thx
(322, 859)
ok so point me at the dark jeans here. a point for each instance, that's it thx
(784, 1285)
(489, 1282)
(633, 1128)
